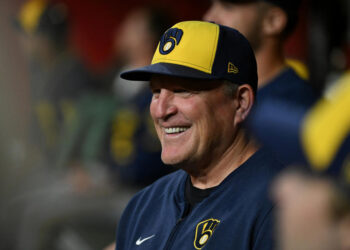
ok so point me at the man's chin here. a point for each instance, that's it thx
(180, 164)
(175, 161)
(171, 161)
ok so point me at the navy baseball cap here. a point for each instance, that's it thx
(201, 50)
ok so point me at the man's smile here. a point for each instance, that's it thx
(175, 130)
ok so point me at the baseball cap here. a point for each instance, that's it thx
(201, 50)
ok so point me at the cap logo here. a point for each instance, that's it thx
(232, 68)
(170, 38)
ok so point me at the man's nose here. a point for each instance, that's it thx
(163, 105)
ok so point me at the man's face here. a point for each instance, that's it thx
(194, 120)
(245, 17)
(304, 220)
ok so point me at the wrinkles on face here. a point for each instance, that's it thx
(193, 119)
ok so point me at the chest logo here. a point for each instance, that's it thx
(140, 240)
(204, 231)
(171, 38)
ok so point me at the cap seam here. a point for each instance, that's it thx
(213, 54)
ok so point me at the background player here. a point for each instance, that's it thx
(267, 24)
(314, 207)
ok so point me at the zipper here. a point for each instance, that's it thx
(173, 233)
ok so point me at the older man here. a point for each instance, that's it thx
(203, 78)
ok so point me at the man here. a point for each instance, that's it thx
(267, 24)
(314, 208)
(203, 79)
(58, 77)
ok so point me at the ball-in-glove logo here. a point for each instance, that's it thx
(204, 231)
(170, 38)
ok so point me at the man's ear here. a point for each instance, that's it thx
(245, 99)
(274, 22)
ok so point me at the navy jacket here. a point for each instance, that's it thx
(290, 88)
(236, 215)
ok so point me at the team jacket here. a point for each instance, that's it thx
(236, 215)
(289, 88)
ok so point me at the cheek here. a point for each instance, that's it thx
(216, 126)
(152, 109)
(191, 109)
(223, 115)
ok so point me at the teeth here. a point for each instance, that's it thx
(175, 130)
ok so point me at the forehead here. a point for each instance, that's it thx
(170, 82)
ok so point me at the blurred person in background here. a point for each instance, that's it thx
(134, 147)
(313, 195)
(76, 206)
(313, 199)
(65, 193)
(313, 213)
(267, 24)
(58, 77)
(71, 108)
(135, 41)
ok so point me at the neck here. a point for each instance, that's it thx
(270, 61)
(233, 157)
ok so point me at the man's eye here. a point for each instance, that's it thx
(180, 91)
(184, 92)
(155, 91)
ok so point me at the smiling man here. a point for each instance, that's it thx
(203, 78)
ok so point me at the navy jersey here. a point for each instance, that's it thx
(318, 137)
(290, 88)
(236, 215)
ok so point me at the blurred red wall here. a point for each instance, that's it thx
(95, 22)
